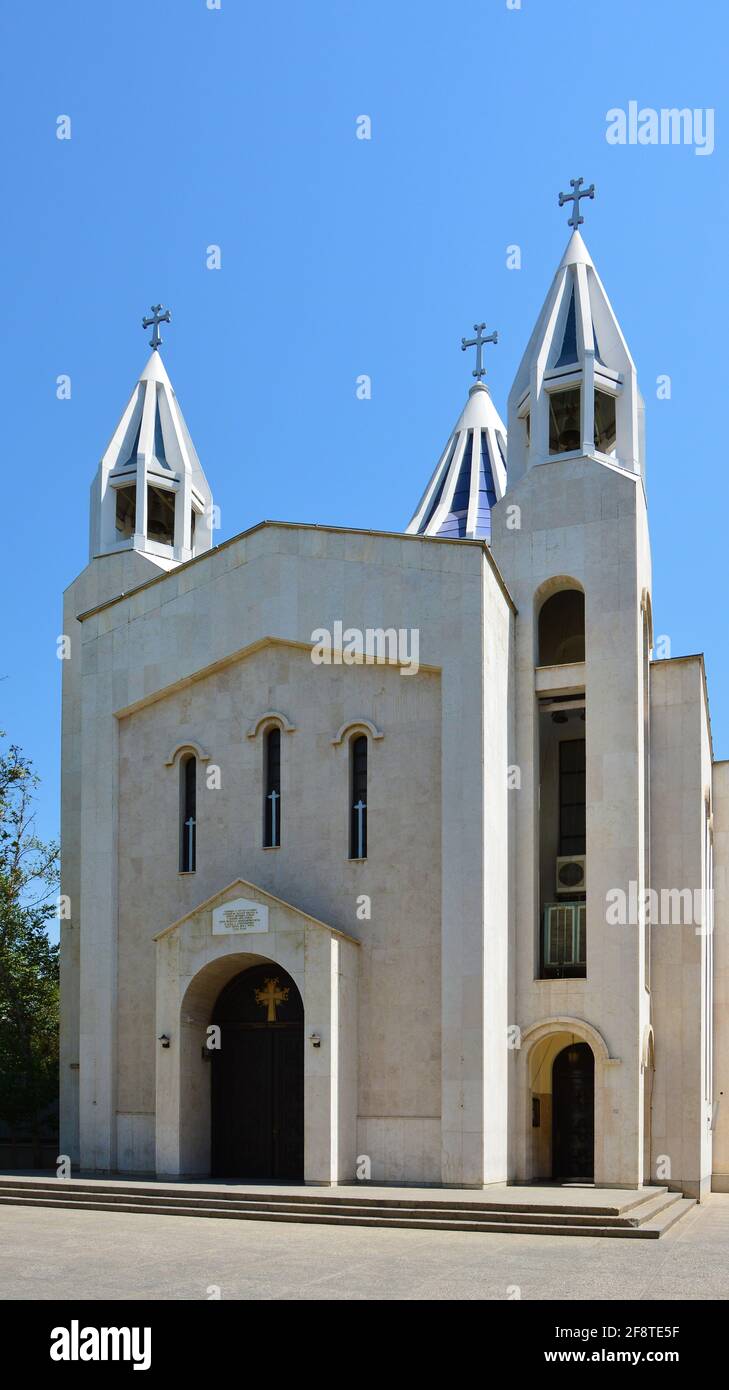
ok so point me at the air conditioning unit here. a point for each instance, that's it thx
(571, 873)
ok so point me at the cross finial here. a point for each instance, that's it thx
(156, 319)
(574, 197)
(478, 343)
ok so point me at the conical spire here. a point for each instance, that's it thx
(150, 493)
(470, 476)
(576, 391)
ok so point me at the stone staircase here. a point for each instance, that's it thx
(645, 1214)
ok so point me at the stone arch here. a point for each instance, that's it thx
(189, 746)
(565, 1023)
(196, 957)
(356, 726)
(555, 585)
(541, 1043)
(271, 716)
(196, 1009)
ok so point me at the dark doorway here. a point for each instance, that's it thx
(258, 1078)
(573, 1113)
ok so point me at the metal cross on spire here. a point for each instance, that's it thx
(574, 197)
(156, 319)
(478, 343)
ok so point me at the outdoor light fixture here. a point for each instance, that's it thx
(315, 1040)
(164, 1039)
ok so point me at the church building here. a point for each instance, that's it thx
(276, 966)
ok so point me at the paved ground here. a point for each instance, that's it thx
(76, 1254)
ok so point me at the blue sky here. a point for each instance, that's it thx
(236, 127)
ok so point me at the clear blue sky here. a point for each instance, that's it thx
(339, 257)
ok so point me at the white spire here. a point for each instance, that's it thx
(150, 493)
(576, 390)
(470, 476)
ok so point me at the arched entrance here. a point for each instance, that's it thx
(257, 1110)
(573, 1113)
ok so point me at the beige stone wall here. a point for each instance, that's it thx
(721, 978)
(582, 521)
(400, 957)
(100, 581)
(201, 654)
(680, 786)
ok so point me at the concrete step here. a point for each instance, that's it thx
(212, 1205)
(648, 1219)
(667, 1218)
(315, 1196)
(649, 1209)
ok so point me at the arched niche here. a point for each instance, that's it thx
(561, 624)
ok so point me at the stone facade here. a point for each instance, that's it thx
(433, 1012)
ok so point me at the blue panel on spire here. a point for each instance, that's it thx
(486, 489)
(130, 447)
(159, 443)
(438, 491)
(568, 354)
(597, 346)
(454, 525)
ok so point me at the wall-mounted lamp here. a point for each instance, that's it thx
(164, 1039)
(315, 1040)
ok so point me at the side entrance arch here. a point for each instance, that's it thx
(567, 1088)
(257, 1096)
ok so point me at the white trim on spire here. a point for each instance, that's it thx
(602, 362)
(151, 447)
(478, 422)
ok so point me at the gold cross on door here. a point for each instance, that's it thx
(272, 995)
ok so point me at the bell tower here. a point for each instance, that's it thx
(575, 394)
(150, 494)
(151, 509)
(570, 537)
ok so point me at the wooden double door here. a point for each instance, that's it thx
(258, 1078)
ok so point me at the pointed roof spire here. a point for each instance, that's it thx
(576, 253)
(575, 391)
(150, 493)
(470, 476)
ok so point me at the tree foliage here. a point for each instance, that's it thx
(29, 875)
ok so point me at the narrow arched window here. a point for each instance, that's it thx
(272, 795)
(188, 814)
(358, 798)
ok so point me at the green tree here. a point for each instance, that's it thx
(29, 873)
